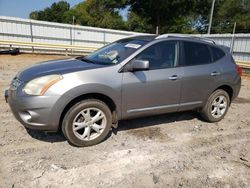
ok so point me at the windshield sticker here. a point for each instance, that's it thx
(111, 55)
(130, 45)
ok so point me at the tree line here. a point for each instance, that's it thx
(180, 16)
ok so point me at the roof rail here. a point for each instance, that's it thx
(185, 35)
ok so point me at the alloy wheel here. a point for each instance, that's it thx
(219, 106)
(89, 123)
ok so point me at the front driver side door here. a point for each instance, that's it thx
(158, 89)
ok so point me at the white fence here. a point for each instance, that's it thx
(26, 30)
(241, 47)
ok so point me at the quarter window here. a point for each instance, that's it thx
(160, 55)
(196, 53)
(217, 53)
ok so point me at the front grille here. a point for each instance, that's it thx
(15, 83)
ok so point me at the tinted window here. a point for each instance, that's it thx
(196, 53)
(217, 53)
(160, 55)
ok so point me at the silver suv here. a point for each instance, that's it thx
(132, 77)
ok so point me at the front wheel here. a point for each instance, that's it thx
(87, 123)
(216, 106)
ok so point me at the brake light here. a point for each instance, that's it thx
(239, 70)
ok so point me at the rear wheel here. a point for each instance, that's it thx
(216, 106)
(87, 123)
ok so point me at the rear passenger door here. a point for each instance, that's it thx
(200, 74)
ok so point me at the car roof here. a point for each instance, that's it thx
(152, 37)
(147, 38)
(186, 36)
(183, 37)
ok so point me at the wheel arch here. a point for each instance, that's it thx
(227, 89)
(205, 110)
(102, 97)
(224, 87)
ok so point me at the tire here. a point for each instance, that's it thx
(87, 123)
(210, 111)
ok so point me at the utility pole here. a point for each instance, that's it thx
(73, 20)
(233, 38)
(211, 17)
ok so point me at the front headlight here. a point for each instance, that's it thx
(39, 86)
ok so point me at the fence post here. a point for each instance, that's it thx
(66, 53)
(31, 35)
(104, 37)
(71, 39)
(157, 30)
(233, 39)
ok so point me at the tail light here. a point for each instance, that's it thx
(239, 70)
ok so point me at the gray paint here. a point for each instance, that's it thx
(135, 94)
(55, 67)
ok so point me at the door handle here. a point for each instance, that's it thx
(174, 77)
(215, 73)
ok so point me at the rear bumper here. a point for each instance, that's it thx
(33, 112)
(236, 88)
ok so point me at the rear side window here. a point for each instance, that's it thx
(196, 53)
(217, 53)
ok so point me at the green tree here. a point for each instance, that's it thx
(55, 13)
(95, 13)
(229, 12)
(160, 13)
(102, 15)
(180, 16)
(186, 16)
(80, 13)
(137, 23)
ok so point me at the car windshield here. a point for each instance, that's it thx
(115, 52)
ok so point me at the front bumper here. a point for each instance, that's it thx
(34, 112)
(6, 95)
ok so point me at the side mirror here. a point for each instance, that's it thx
(140, 65)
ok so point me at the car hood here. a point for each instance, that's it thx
(55, 67)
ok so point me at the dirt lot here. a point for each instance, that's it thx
(176, 150)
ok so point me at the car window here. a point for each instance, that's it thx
(160, 55)
(217, 53)
(196, 53)
(115, 52)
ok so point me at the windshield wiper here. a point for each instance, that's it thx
(86, 60)
(91, 61)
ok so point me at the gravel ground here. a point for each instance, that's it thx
(174, 150)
